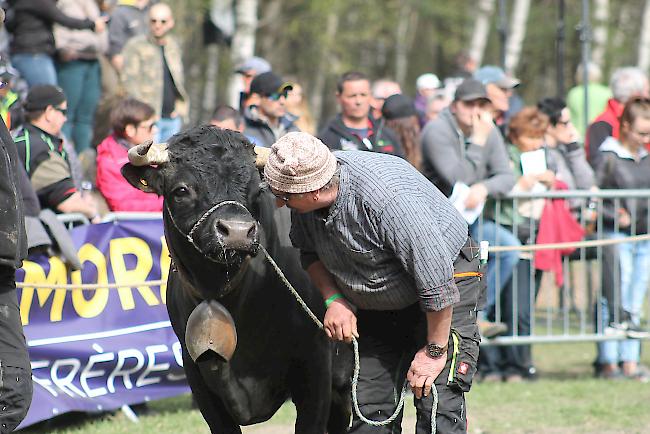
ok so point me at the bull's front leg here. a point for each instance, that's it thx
(211, 406)
(311, 389)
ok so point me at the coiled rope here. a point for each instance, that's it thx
(357, 364)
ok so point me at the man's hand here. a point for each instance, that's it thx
(423, 372)
(100, 24)
(340, 321)
(477, 195)
(482, 125)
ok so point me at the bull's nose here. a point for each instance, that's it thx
(237, 234)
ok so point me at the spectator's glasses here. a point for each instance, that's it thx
(148, 128)
(156, 21)
(277, 95)
(63, 111)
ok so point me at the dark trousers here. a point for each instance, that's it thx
(387, 344)
(515, 305)
(15, 372)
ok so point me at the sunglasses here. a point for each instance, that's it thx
(63, 111)
(276, 96)
(154, 21)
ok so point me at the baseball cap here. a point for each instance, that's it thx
(398, 106)
(494, 74)
(470, 90)
(428, 81)
(254, 63)
(268, 83)
(43, 95)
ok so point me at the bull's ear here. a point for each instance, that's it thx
(145, 178)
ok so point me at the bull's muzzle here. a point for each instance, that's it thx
(238, 235)
(210, 332)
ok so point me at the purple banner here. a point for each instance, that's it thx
(96, 350)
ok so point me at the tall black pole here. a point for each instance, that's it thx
(503, 32)
(559, 51)
(585, 39)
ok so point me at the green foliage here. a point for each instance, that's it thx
(292, 35)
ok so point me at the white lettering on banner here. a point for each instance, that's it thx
(87, 373)
(65, 383)
(64, 372)
(44, 382)
(152, 367)
(178, 353)
(122, 355)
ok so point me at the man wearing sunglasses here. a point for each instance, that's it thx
(153, 72)
(266, 119)
(40, 147)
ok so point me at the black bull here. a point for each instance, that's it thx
(280, 353)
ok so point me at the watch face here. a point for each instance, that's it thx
(435, 350)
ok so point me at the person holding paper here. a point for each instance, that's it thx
(535, 171)
(464, 155)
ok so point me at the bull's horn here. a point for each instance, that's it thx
(262, 156)
(148, 153)
(210, 330)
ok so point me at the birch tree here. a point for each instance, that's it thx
(644, 40)
(484, 11)
(517, 34)
(600, 32)
(324, 64)
(243, 43)
(407, 22)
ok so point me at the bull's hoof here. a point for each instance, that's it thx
(210, 332)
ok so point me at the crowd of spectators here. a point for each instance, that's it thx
(469, 134)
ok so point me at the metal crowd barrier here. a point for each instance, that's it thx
(574, 311)
(567, 314)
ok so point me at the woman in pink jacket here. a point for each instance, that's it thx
(133, 122)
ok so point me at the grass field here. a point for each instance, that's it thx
(566, 399)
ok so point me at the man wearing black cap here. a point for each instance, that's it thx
(463, 149)
(40, 148)
(266, 120)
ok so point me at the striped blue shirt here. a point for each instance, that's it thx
(390, 238)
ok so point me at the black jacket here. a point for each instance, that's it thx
(30, 23)
(260, 133)
(339, 137)
(13, 241)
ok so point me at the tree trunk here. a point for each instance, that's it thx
(211, 79)
(243, 43)
(484, 11)
(644, 41)
(324, 62)
(599, 41)
(406, 25)
(517, 34)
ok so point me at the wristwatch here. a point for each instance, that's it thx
(436, 351)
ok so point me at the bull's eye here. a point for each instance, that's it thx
(181, 193)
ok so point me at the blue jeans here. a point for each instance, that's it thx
(167, 127)
(634, 260)
(500, 265)
(81, 82)
(35, 68)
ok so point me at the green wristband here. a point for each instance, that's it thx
(332, 298)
